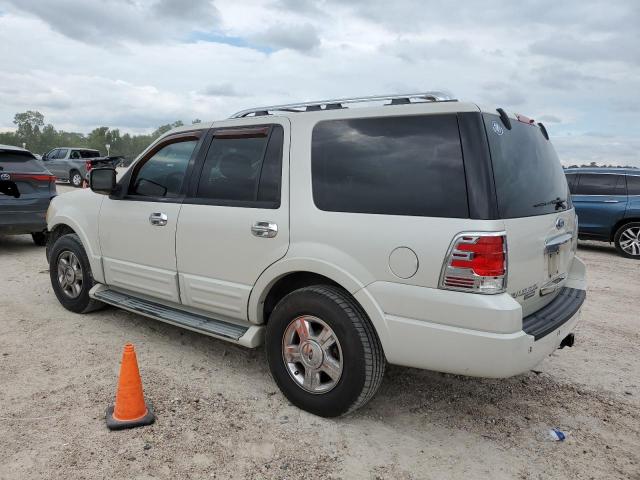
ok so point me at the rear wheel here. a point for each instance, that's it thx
(39, 238)
(627, 240)
(75, 178)
(323, 351)
(71, 276)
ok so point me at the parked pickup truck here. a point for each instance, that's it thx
(421, 231)
(74, 164)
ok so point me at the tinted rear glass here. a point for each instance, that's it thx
(390, 165)
(572, 180)
(528, 175)
(601, 184)
(633, 184)
(17, 163)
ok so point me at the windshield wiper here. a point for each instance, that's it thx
(558, 202)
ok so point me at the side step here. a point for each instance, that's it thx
(180, 318)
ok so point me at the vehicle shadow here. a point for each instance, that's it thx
(17, 244)
(592, 246)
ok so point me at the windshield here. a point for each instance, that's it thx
(528, 174)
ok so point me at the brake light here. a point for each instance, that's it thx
(88, 165)
(476, 262)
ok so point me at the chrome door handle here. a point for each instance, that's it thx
(158, 219)
(264, 229)
(612, 201)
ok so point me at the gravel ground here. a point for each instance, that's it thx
(219, 414)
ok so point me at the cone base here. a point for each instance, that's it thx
(114, 424)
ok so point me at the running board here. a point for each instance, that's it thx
(180, 318)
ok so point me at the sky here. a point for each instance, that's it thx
(138, 64)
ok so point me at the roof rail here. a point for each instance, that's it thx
(435, 96)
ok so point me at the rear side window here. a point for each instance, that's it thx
(243, 168)
(601, 184)
(633, 184)
(528, 175)
(390, 165)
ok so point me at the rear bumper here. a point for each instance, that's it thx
(446, 338)
(16, 223)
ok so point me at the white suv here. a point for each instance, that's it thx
(421, 231)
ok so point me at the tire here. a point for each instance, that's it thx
(357, 347)
(40, 238)
(627, 240)
(66, 248)
(75, 178)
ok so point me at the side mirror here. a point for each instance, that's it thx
(102, 180)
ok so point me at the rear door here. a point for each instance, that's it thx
(601, 201)
(137, 230)
(535, 204)
(235, 221)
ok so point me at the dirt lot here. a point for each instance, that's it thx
(219, 414)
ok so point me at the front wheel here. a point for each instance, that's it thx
(323, 351)
(71, 276)
(627, 240)
(75, 178)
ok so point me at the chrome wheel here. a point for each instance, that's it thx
(312, 354)
(630, 241)
(70, 275)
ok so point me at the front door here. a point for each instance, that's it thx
(601, 201)
(137, 229)
(235, 221)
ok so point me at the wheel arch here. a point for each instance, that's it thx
(288, 275)
(620, 223)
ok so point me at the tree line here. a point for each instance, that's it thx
(39, 137)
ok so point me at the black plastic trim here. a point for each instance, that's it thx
(481, 190)
(555, 314)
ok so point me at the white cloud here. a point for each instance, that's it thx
(135, 64)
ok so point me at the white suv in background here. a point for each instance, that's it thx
(421, 231)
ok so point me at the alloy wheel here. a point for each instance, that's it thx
(630, 241)
(70, 275)
(312, 354)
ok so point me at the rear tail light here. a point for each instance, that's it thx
(88, 165)
(476, 262)
(37, 177)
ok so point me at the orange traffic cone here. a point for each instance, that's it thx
(130, 410)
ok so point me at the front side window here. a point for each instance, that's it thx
(390, 165)
(601, 184)
(244, 165)
(163, 174)
(62, 153)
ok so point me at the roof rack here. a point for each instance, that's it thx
(399, 99)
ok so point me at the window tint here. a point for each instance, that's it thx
(601, 184)
(391, 165)
(89, 153)
(528, 175)
(74, 154)
(245, 166)
(163, 174)
(572, 178)
(633, 184)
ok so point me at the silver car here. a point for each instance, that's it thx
(70, 164)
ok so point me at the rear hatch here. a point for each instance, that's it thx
(534, 202)
(24, 182)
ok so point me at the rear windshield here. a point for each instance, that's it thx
(390, 165)
(528, 175)
(17, 163)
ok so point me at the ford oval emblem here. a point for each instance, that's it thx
(559, 223)
(5, 176)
